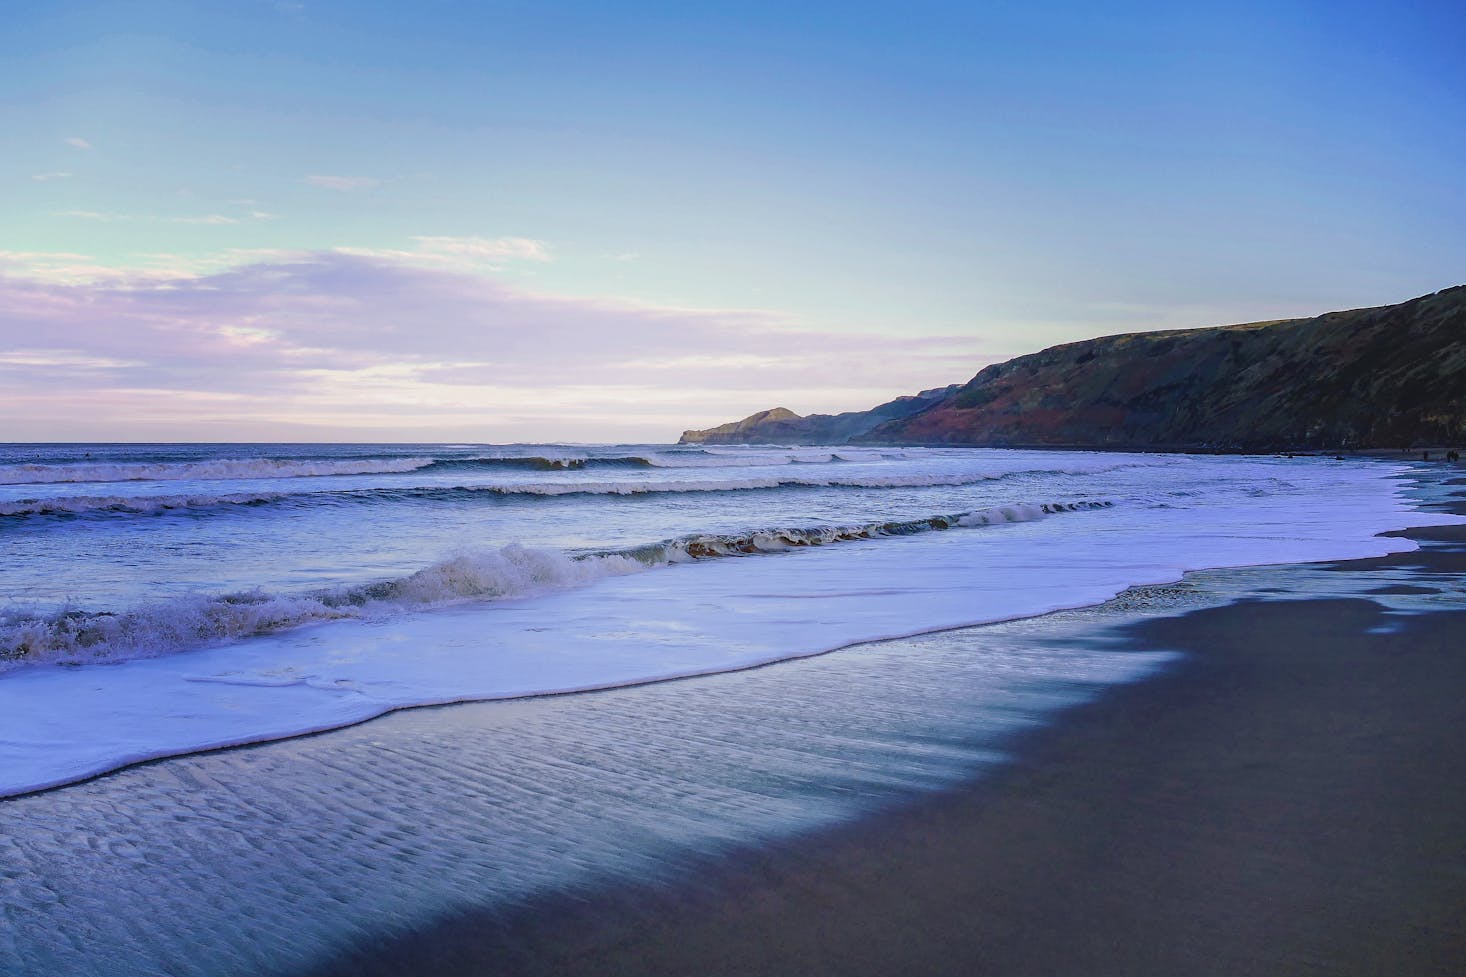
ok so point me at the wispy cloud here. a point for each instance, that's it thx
(462, 253)
(484, 248)
(57, 175)
(77, 142)
(345, 184)
(254, 215)
(203, 219)
(64, 359)
(55, 267)
(377, 346)
(92, 215)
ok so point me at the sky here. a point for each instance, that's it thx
(526, 221)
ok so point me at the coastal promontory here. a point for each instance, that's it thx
(1385, 377)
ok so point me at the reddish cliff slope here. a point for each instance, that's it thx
(1381, 377)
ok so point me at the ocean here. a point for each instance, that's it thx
(164, 599)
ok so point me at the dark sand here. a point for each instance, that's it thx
(1289, 798)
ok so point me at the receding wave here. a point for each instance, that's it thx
(216, 469)
(183, 623)
(101, 504)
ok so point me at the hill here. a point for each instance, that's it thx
(783, 426)
(1366, 378)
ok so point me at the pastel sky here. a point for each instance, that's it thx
(500, 221)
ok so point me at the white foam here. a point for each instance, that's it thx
(80, 504)
(59, 724)
(190, 622)
(1006, 513)
(144, 504)
(75, 636)
(646, 487)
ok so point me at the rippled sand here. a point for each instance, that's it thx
(266, 858)
(274, 859)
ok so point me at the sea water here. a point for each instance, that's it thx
(164, 599)
(158, 600)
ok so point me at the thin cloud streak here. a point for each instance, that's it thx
(466, 254)
(199, 219)
(254, 215)
(343, 184)
(352, 345)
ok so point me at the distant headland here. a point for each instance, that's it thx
(1385, 377)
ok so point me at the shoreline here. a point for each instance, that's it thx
(627, 831)
(1283, 799)
(62, 728)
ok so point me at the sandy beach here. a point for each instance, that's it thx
(1251, 771)
(1285, 799)
(732, 490)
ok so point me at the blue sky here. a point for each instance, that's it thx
(829, 204)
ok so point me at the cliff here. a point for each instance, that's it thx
(1381, 377)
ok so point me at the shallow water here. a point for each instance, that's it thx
(267, 858)
(194, 599)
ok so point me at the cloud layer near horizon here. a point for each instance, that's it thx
(337, 345)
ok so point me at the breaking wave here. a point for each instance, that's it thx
(219, 469)
(678, 459)
(190, 622)
(76, 636)
(225, 469)
(143, 504)
(703, 545)
(136, 504)
(534, 463)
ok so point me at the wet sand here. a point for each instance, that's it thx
(1282, 798)
(1288, 798)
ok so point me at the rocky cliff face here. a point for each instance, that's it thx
(1383, 377)
(783, 426)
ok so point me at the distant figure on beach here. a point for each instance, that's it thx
(1425, 456)
(1453, 455)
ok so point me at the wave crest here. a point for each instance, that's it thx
(705, 545)
(90, 504)
(179, 624)
(207, 619)
(228, 469)
(221, 469)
